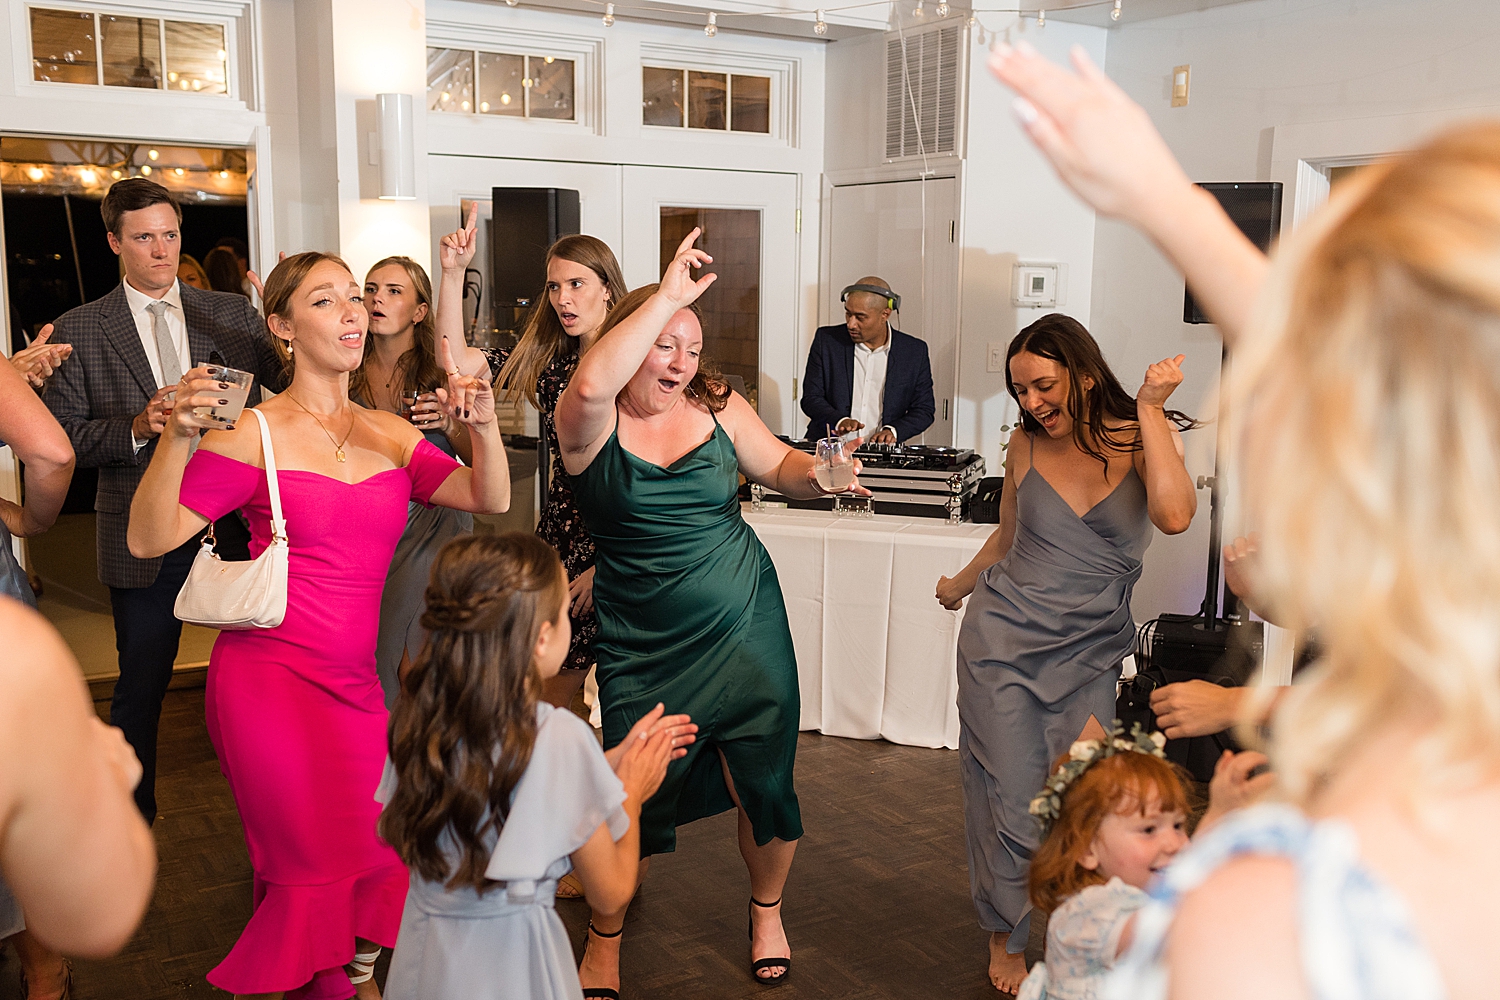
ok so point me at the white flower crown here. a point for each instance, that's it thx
(1047, 805)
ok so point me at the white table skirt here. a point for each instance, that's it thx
(876, 653)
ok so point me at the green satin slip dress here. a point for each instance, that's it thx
(691, 615)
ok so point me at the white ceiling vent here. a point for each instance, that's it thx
(923, 91)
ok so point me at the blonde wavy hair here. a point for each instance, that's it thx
(1367, 405)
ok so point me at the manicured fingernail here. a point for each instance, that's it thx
(229, 427)
(223, 385)
(1024, 111)
(223, 402)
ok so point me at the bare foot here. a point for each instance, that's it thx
(768, 939)
(600, 967)
(1006, 970)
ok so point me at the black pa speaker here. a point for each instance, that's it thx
(1256, 209)
(524, 223)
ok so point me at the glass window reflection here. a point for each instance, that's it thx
(62, 47)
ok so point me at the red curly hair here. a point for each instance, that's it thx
(1121, 783)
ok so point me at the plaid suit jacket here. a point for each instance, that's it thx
(99, 391)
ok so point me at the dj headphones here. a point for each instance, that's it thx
(891, 298)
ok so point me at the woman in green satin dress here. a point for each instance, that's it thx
(690, 610)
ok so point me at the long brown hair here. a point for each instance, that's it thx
(706, 386)
(543, 339)
(417, 368)
(463, 729)
(1121, 783)
(281, 284)
(1063, 339)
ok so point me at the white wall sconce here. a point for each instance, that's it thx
(397, 144)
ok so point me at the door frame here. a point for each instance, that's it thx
(787, 383)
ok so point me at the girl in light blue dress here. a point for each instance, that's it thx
(492, 795)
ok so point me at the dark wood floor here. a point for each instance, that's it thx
(878, 904)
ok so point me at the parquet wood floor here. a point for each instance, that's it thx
(877, 908)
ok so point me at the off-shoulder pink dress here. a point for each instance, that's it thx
(298, 720)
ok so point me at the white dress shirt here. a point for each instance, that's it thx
(146, 328)
(868, 403)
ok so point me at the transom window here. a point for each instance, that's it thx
(691, 98)
(110, 50)
(469, 81)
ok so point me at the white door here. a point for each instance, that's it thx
(750, 227)
(904, 232)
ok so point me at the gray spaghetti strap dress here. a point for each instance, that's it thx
(1038, 653)
(402, 602)
(508, 943)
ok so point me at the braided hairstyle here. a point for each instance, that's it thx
(463, 729)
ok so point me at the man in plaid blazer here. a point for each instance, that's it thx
(129, 350)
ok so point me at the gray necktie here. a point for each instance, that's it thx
(166, 351)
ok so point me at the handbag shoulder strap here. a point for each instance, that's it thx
(278, 523)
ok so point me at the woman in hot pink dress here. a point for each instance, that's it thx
(296, 713)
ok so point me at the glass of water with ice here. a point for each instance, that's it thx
(239, 390)
(833, 465)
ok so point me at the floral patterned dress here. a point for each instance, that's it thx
(561, 525)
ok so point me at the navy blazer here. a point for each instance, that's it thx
(828, 388)
(97, 392)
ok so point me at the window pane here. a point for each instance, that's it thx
(706, 100)
(450, 80)
(751, 109)
(662, 96)
(132, 51)
(731, 306)
(500, 89)
(552, 88)
(62, 47)
(196, 60)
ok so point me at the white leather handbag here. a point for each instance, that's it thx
(240, 595)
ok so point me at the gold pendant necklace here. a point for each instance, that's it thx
(338, 446)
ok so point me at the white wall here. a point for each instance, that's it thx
(1256, 67)
(1011, 205)
(469, 154)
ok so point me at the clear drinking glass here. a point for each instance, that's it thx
(408, 400)
(239, 390)
(833, 465)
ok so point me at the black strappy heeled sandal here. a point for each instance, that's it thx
(600, 992)
(784, 964)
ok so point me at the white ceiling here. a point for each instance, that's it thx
(784, 17)
(1131, 11)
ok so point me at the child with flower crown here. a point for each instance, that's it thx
(1114, 813)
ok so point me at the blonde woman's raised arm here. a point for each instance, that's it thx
(1105, 148)
(74, 848)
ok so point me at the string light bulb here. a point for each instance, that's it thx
(1114, 15)
(152, 154)
(145, 170)
(942, 8)
(223, 175)
(820, 26)
(88, 175)
(1041, 18)
(917, 12)
(511, 3)
(36, 173)
(712, 27)
(179, 171)
(609, 15)
(114, 174)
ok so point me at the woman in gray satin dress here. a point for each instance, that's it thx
(1087, 474)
